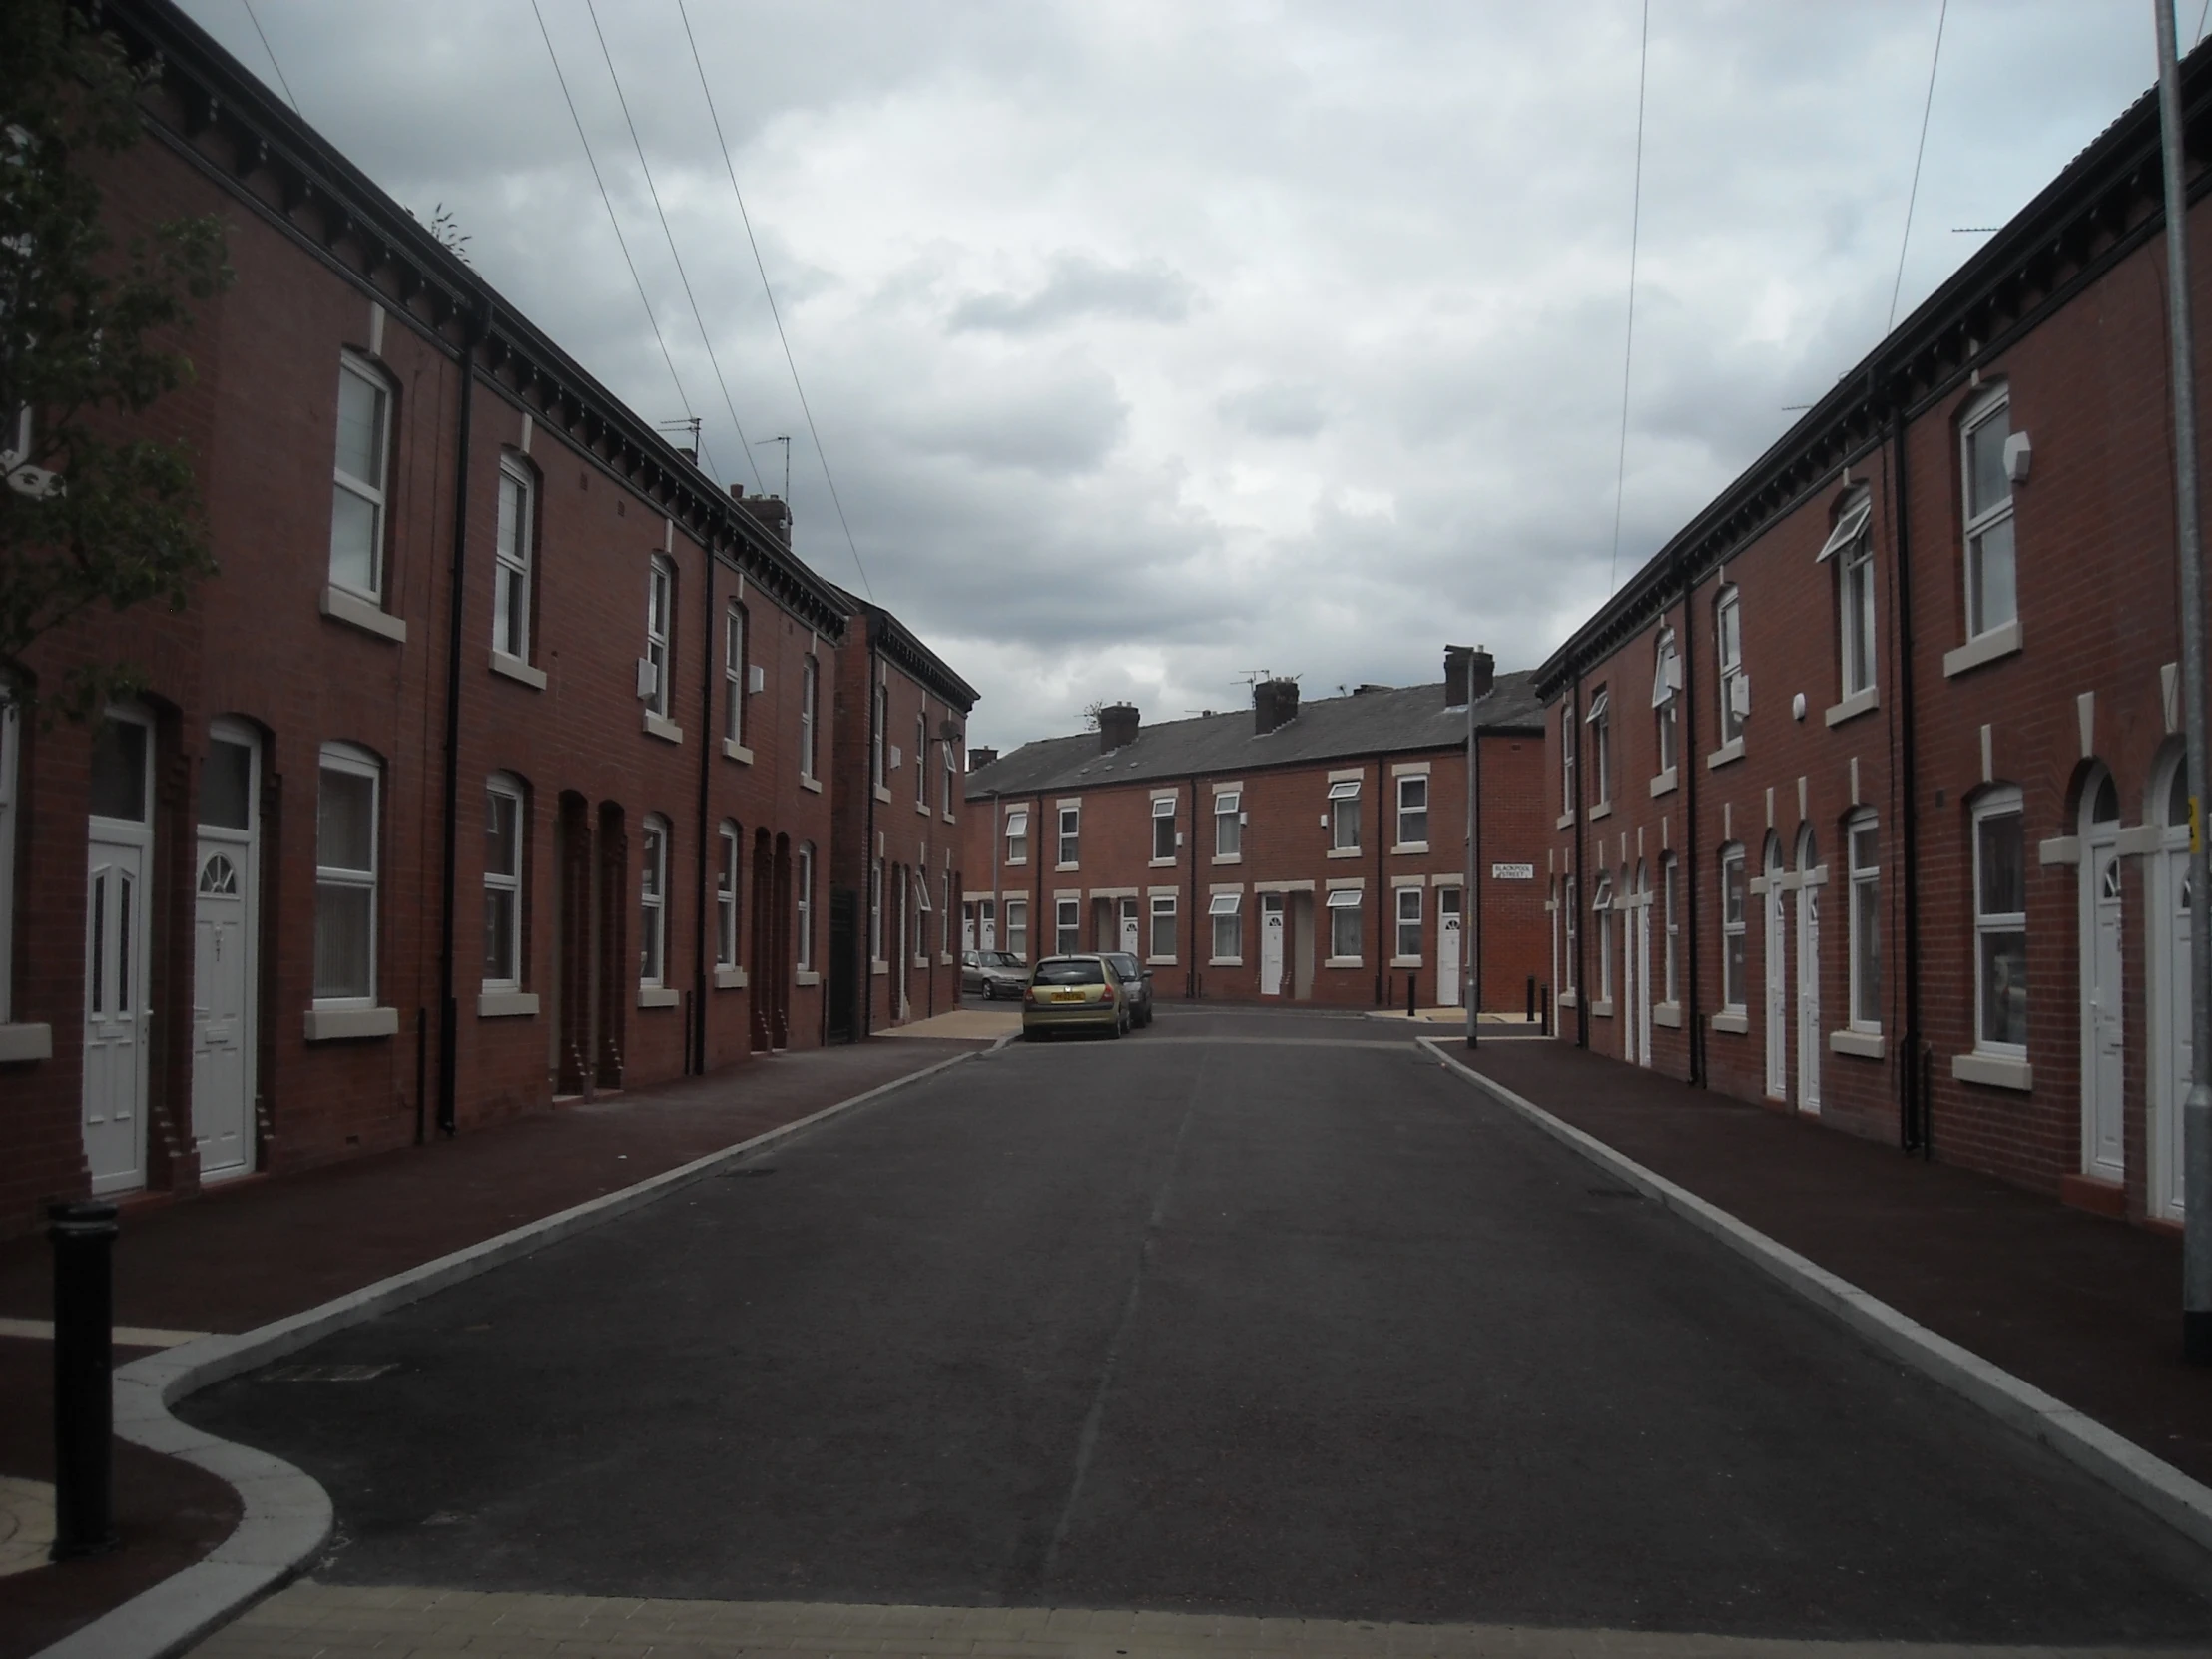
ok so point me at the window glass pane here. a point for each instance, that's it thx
(2004, 988)
(119, 771)
(499, 933)
(1996, 599)
(346, 818)
(352, 541)
(1863, 847)
(360, 428)
(225, 782)
(1732, 991)
(1343, 933)
(1226, 941)
(1987, 484)
(510, 518)
(2003, 865)
(342, 916)
(2177, 798)
(502, 835)
(1866, 953)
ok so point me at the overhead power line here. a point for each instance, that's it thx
(1914, 195)
(638, 143)
(608, 201)
(271, 51)
(821, 454)
(1628, 349)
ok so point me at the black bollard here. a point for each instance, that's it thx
(1532, 999)
(1410, 980)
(83, 1390)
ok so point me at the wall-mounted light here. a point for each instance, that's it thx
(2019, 453)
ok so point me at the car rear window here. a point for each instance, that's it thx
(1070, 973)
(1126, 966)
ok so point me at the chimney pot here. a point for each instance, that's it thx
(1273, 703)
(1117, 726)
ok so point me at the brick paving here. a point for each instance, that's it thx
(2086, 1309)
(322, 1622)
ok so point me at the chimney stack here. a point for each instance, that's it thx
(1467, 669)
(1117, 726)
(771, 512)
(980, 758)
(1273, 703)
(1482, 673)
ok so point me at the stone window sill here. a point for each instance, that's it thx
(1228, 857)
(805, 977)
(1569, 999)
(1159, 961)
(365, 614)
(1732, 749)
(922, 807)
(1867, 1045)
(665, 729)
(1406, 961)
(1224, 961)
(1345, 961)
(883, 793)
(879, 970)
(1058, 867)
(658, 997)
(1604, 809)
(809, 782)
(729, 979)
(1664, 782)
(514, 668)
(1996, 643)
(1735, 1021)
(1409, 849)
(1668, 1014)
(1602, 1010)
(1343, 852)
(732, 750)
(1996, 1071)
(25, 1042)
(1565, 821)
(1159, 864)
(1852, 707)
(336, 1025)
(506, 1005)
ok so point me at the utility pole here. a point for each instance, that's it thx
(2196, 1112)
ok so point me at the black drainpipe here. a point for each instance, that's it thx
(1190, 840)
(449, 1010)
(1385, 924)
(1576, 910)
(1913, 1119)
(872, 886)
(1692, 854)
(708, 670)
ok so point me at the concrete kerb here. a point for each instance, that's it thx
(2118, 1463)
(286, 1514)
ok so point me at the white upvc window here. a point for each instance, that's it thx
(510, 596)
(660, 623)
(1571, 909)
(1408, 921)
(1345, 929)
(346, 820)
(1229, 825)
(876, 910)
(1852, 548)
(2001, 924)
(806, 896)
(1667, 869)
(725, 895)
(879, 746)
(358, 480)
(922, 753)
(809, 690)
(1017, 835)
(1343, 814)
(8, 750)
(734, 668)
(1163, 927)
(1163, 827)
(1734, 684)
(1863, 847)
(1569, 800)
(1600, 722)
(951, 770)
(945, 918)
(1992, 598)
(922, 909)
(1601, 906)
(503, 825)
(1067, 927)
(1018, 928)
(1224, 909)
(1731, 926)
(1413, 810)
(1071, 834)
(1666, 683)
(653, 905)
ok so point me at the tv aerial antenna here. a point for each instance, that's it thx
(786, 441)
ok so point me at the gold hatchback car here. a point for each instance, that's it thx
(1073, 994)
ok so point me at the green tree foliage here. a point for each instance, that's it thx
(91, 516)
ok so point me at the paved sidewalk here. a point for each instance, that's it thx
(970, 1024)
(240, 1256)
(2084, 1307)
(311, 1621)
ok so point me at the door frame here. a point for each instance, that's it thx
(1776, 967)
(1810, 1039)
(139, 834)
(1279, 906)
(1451, 991)
(2100, 844)
(230, 728)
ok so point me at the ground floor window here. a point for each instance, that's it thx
(1067, 927)
(1408, 920)
(1017, 928)
(1344, 924)
(1228, 925)
(1163, 926)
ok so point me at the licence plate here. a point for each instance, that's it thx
(1067, 996)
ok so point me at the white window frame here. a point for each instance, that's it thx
(1071, 836)
(660, 630)
(1163, 813)
(1408, 783)
(1347, 902)
(876, 910)
(922, 754)
(1728, 653)
(514, 562)
(1344, 810)
(1229, 825)
(951, 770)
(1162, 909)
(1851, 545)
(1571, 967)
(1228, 943)
(373, 491)
(653, 902)
(728, 894)
(1992, 924)
(1666, 684)
(1409, 898)
(880, 748)
(1734, 947)
(1017, 835)
(805, 898)
(734, 623)
(1601, 906)
(1067, 926)
(1994, 407)
(1668, 866)
(347, 757)
(504, 786)
(1864, 999)
(810, 694)
(1600, 722)
(1569, 797)
(1014, 923)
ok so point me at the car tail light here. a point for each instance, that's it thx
(1106, 993)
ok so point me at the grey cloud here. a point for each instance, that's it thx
(1276, 411)
(1081, 286)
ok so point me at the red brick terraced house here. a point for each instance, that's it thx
(895, 866)
(1867, 788)
(1306, 853)
(496, 767)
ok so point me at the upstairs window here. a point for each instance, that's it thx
(510, 593)
(357, 493)
(809, 686)
(1071, 834)
(1852, 550)
(1412, 810)
(1666, 684)
(656, 671)
(1600, 722)
(922, 754)
(8, 742)
(734, 670)
(1017, 835)
(1229, 825)
(1343, 816)
(951, 770)
(1569, 798)
(878, 758)
(1992, 598)
(2001, 924)
(1163, 828)
(1735, 684)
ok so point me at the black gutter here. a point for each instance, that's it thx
(449, 1009)
(706, 668)
(1914, 1126)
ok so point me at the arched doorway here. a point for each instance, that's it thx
(2171, 1066)
(2103, 1027)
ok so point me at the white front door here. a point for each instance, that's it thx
(1448, 948)
(1271, 944)
(1129, 925)
(221, 981)
(1809, 1037)
(1631, 996)
(115, 1014)
(2104, 1142)
(2173, 1069)
(1777, 993)
(1643, 978)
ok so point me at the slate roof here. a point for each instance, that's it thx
(1394, 722)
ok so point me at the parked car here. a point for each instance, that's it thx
(1136, 984)
(993, 974)
(1074, 993)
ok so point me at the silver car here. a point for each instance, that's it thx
(994, 974)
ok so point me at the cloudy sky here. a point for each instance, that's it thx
(1153, 342)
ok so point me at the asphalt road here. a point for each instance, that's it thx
(1247, 1314)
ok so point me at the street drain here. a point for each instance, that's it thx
(328, 1373)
